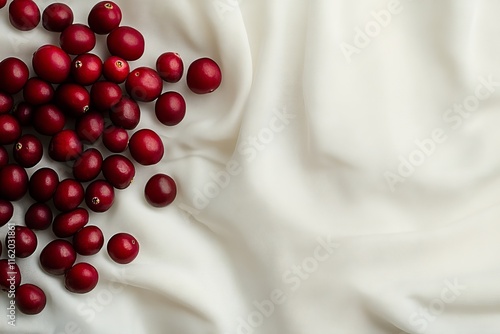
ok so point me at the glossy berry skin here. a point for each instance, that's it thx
(126, 113)
(116, 69)
(6, 212)
(88, 166)
(160, 190)
(144, 84)
(68, 195)
(14, 74)
(65, 146)
(77, 39)
(6, 102)
(170, 67)
(73, 99)
(57, 17)
(57, 257)
(81, 278)
(51, 64)
(37, 91)
(104, 95)
(99, 196)
(203, 76)
(146, 147)
(13, 182)
(86, 69)
(7, 273)
(67, 224)
(48, 120)
(90, 127)
(126, 42)
(115, 139)
(27, 151)
(30, 299)
(4, 156)
(118, 170)
(123, 248)
(23, 112)
(43, 184)
(104, 17)
(24, 14)
(38, 216)
(170, 108)
(10, 129)
(25, 241)
(88, 241)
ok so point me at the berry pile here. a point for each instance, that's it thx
(74, 100)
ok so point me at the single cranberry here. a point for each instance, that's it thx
(123, 248)
(14, 74)
(28, 151)
(13, 182)
(99, 196)
(68, 223)
(146, 147)
(126, 113)
(88, 165)
(10, 129)
(104, 95)
(77, 39)
(48, 120)
(3, 3)
(203, 76)
(74, 99)
(104, 17)
(43, 184)
(23, 112)
(86, 69)
(24, 14)
(24, 241)
(170, 108)
(4, 156)
(160, 190)
(118, 170)
(51, 63)
(6, 102)
(81, 278)
(126, 42)
(38, 216)
(68, 195)
(115, 69)
(10, 275)
(57, 17)
(88, 241)
(170, 67)
(38, 91)
(65, 146)
(115, 139)
(30, 299)
(6, 212)
(57, 257)
(144, 84)
(90, 127)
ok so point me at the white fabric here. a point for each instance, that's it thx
(343, 178)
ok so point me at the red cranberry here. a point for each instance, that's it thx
(4, 156)
(23, 112)
(24, 241)
(170, 108)
(30, 299)
(77, 39)
(118, 170)
(126, 113)
(146, 147)
(28, 151)
(88, 241)
(86, 69)
(48, 120)
(88, 166)
(144, 84)
(65, 146)
(105, 95)
(115, 139)
(10, 129)
(203, 76)
(38, 216)
(10, 275)
(57, 17)
(170, 66)
(73, 99)
(160, 190)
(3, 3)
(13, 182)
(43, 184)
(6, 212)
(90, 126)
(81, 278)
(14, 74)
(126, 42)
(123, 248)
(99, 196)
(24, 14)
(57, 257)
(68, 223)
(38, 91)
(68, 195)
(104, 17)
(51, 63)
(6, 102)
(116, 69)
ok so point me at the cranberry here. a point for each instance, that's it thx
(65, 146)
(115, 139)
(88, 241)
(6, 102)
(81, 278)
(144, 84)
(68, 223)
(7, 272)
(126, 113)
(57, 257)
(123, 248)
(203, 76)
(105, 95)
(13, 182)
(4, 156)
(28, 151)
(38, 91)
(30, 299)
(170, 66)
(118, 170)
(24, 14)
(57, 17)
(3, 3)
(160, 190)
(90, 126)
(10, 129)
(86, 69)
(99, 196)
(73, 99)
(88, 166)
(170, 108)
(6, 212)
(51, 63)
(104, 17)
(68, 195)
(43, 184)
(48, 120)
(146, 147)
(38, 216)
(23, 112)
(14, 74)
(116, 69)
(126, 42)
(24, 241)
(77, 39)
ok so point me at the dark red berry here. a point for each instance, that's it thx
(77, 39)
(23, 112)
(24, 241)
(144, 84)
(51, 63)
(24, 14)
(99, 196)
(6, 102)
(126, 42)
(3, 3)
(57, 257)
(13, 182)
(115, 139)
(4, 156)
(170, 108)
(170, 67)
(10, 275)
(38, 216)
(43, 184)
(57, 17)
(68, 223)
(30, 299)
(88, 241)
(86, 69)
(14, 74)
(122, 248)
(65, 146)
(6, 212)
(146, 147)
(126, 113)
(90, 126)
(160, 190)
(68, 195)
(81, 278)
(203, 76)
(104, 17)
(104, 95)
(118, 170)
(73, 99)
(28, 151)
(48, 120)
(38, 91)
(116, 69)
(10, 129)
(88, 166)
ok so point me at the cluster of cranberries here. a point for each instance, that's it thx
(74, 100)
